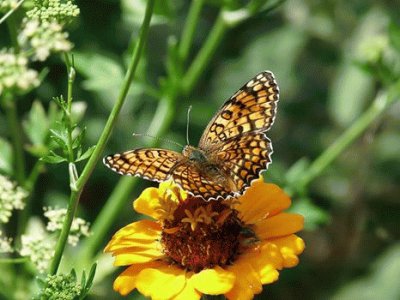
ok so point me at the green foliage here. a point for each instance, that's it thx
(335, 139)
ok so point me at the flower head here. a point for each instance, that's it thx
(196, 247)
(11, 197)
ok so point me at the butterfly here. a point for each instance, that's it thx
(232, 151)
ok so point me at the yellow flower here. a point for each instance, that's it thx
(195, 247)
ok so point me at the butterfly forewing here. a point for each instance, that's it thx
(152, 164)
(251, 109)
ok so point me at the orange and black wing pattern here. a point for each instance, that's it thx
(251, 109)
(152, 164)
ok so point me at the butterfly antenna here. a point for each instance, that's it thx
(157, 138)
(187, 125)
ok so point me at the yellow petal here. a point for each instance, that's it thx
(126, 281)
(142, 233)
(290, 247)
(136, 257)
(148, 203)
(262, 200)
(163, 282)
(213, 281)
(280, 225)
(265, 259)
(247, 282)
(189, 292)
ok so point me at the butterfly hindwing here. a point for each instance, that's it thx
(244, 158)
(150, 163)
(198, 183)
(250, 109)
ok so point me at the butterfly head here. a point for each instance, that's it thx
(194, 154)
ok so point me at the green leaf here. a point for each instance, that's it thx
(394, 35)
(87, 154)
(79, 138)
(60, 137)
(382, 282)
(53, 158)
(37, 126)
(314, 216)
(6, 157)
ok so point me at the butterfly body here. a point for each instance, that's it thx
(232, 151)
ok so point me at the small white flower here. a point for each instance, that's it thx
(56, 218)
(5, 244)
(39, 249)
(44, 38)
(11, 197)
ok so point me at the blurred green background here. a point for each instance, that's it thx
(319, 52)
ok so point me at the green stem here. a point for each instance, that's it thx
(204, 56)
(8, 14)
(12, 29)
(16, 137)
(379, 105)
(19, 260)
(122, 193)
(71, 78)
(189, 29)
(162, 119)
(75, 194)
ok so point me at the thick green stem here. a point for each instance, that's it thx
(16, 137)
(189, 29)
(379, 105)
(71, 78)
(203, 58)
(89, 167)
(162, 119)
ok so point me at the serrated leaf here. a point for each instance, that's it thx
(79, 138)
(53, 158)
(59, 137)
(6, 157)
(87, 154)
(37, 126)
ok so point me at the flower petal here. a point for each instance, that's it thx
(189, 292)
(213, 281)
(247, 282)
(162, 282)
(262, 200)
(126, 281)
(290, 247)
(142, 233)
(265, 259)
(135, 257)
(280, 225)
(148, 203)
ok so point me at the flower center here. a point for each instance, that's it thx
(202, 234)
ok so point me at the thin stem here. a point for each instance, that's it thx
(204, 56)
(9, 13)
(379, 105)
(71, 78)
(189, 29)
(121, 98)
(12, 30)
(16, 137)
(19, 260)
(75, 194)
(122, 192)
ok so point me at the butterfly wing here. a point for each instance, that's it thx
(250, 109)
(152, 164)
(244, 158)
(199, 182)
